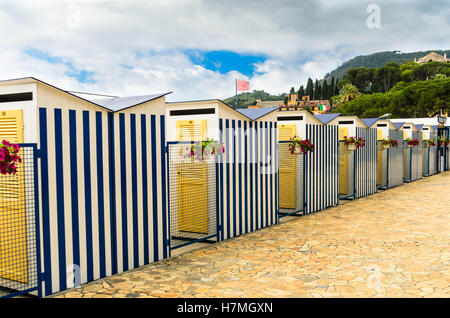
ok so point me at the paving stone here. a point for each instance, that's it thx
(390, 244)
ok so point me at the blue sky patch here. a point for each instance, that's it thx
(225, 61)
(82, 76)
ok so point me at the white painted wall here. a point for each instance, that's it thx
(30, 130)
(212, 120)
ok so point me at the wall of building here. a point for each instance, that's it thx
(28, 107)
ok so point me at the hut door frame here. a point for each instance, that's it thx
(21, 242)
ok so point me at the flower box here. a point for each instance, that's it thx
(203, 150)
(298, 146)
(351, 146)
(430, 143)
(412, 142)
(354, 143)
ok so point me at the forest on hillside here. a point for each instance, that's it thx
(407, 90)
(379, 59)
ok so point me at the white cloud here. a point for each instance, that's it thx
(301, 40)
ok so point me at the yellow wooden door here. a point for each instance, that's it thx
(380, 157)
(287, 170)
(192, 182)
(193, 198)
(13, 235)
(380, 166)
(343, 162)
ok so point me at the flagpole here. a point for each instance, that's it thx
(236, 102)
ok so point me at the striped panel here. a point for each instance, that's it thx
(321, 168)
(88, 158)
(140, 203)
(366, 163)
(416, 163)
(247, 173)
(395, 166)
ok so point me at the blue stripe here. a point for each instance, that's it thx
(233, 166)
(74, 187)
(240, 175)
(261, 171)
(266, 152)
(60, 200)
(123, 191)
(257, 156)
(246, 177)
(252, 193)
(100, 189)
(154, 189)
(112, 195)
(144, 186)
(275, 139)
(87, 196)
(163, 178)
(271, 162)
(221, 212)
(227, 166)
(134, 188)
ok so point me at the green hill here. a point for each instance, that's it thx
(379, 59)
(249, 98)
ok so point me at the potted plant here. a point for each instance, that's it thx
(9, 157)
(388, 142)
(354, 143)
(442, 141)
(412, 142)
(393, 143)
(447, 142)
(430, 143)
(202, 150)
(297, 145)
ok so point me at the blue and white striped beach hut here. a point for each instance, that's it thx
(357, 169)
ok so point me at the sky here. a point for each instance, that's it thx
(197, 48)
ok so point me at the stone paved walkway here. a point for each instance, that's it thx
(395, 243)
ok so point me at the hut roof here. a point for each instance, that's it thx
(326, 118)
(255, 113)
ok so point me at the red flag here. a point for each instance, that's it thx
(242, 85)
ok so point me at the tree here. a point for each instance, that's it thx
(362, 78)
(316, 90)
(309, 88)
(325, 90)
(349, 93)
(405, 99)
(387, 76)
(332, 88)
(292, 90)
(301, 92)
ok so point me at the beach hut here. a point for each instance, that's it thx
(389, 161)
(412, 155)
(235, 194)
(357, 169)
(429, 152)
(291, 123)
(94, 181)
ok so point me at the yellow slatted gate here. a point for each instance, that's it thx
(191, 187)
(287, 168)
(381, 161)
(343, 162)
(18, 236)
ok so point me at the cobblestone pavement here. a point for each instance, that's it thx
(395, 243)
